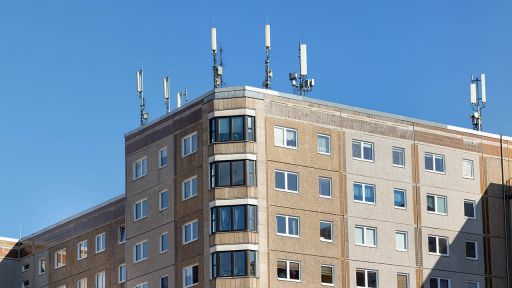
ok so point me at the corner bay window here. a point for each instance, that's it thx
(233, 173)
(234, 263)
(233, 218)
(233, 128)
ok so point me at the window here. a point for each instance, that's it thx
(471, 250)
(163, 200)
(366, 236)
(437, 204)
(122, 234)
(140, 251)
(366, 278)
(288, 270)
(402, 280)
(467, 169)
(233, 173)
(42, 265)
(285, 137)
(164, 242)
(140, 168)
(190, 232)
(162, 155)
(472, 284)
(362, 150)
(25, 284)
(323, 144)
(399, 198)
(121, 273)
(140, 209)
(434, 163)
(439, 282)
(189, 188)
(438, 245)
(232, 128)
(189, 144)
(401, 240)
(82, 283)
(25, 267)
(327, 275)
(81, 250)
(164, 282)
(287, 181)
(364, 193)
(60, 258)
(142, 285)
(234, 264)
(100, 242)
(100, 280)
(288, 226)
(469, 209)
(190, 276)
(326, 231)
(234, 218)
(324, 187)
(398, 157)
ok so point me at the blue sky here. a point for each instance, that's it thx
(67, 71)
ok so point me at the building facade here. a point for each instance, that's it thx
(245, 187)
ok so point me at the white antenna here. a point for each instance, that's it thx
(140, 92)
(478, 100)
(300, 82)
(268, 71)
(167, 93)
(179, 95)
(217, 69)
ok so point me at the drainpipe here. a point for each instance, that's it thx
(505, 211)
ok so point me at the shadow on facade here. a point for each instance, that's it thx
(9, 265)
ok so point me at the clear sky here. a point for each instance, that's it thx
(67, 71)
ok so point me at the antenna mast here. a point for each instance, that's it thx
(167, 93)
(140, 87)
(217, 69)
(268, 72)
(300, 82)
(478, 100)
(181, 94)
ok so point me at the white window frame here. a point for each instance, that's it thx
(287, 234)
(288, 271)
(476, 250)
(366, 277)
(286, 181)
(23, 269)
(191, 223)
(102, 241)
(285, 131)
(319, 187)
(39, 262)
(473, 282)
(473, 202)
(439, 280)
(56, 266)
(96, 279)
(160, 200)
(78, 254)
(188, 181)
(119, 239)
(160, 157)
(332, 228)
(363, 185)
(189, 136)
(365, 242)
(23, 284)
(405, 198)
(401, 150)
(144, 168)
(162, 277)
(333, 274)
(142, 285)
(436, 205)
(434, 156)
(472, 169)
(119, 278)
(362, 145)
(406, 239)
(135, 219)
(329, 141)
(406, 277)
(143, 257)
(185, 273)
(161, 242)
(437, 246)
(81, 283)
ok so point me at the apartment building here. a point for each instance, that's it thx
(246, 187)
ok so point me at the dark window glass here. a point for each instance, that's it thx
(281, 269)
(432, 245)
(443, 246)
(429, 162)
(233, 128)
(433, 283)
(234, 264)
(294, 271)
(213, 131)
(237, 173)
(372, 279)
(293, 180)
(399, 198)
(280, 181)
(360, 278)
(469, 209)
(281, 224)
(444, 283)
(224, 133)
(122, 234)
(471, 250)
(195, 274)
(237, 128)
(431, 203)
(225, 218)
(326, 275)
(164, 282)
(233, 218)
(326, 230)
(240, 263)
(233, 173)
(225, 264)
(224, 174)
(239, 218)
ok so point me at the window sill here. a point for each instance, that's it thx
(98, 252)
(160, 167)
(137, 220)
(185, 199)
(472, 259)
(184, 156)
(185, 243)
(290, 236)
(327, 284)
(399, 166)
(138, 261)
(163, 252)
(135, 179)
(469, 218)
(367, 246)
(325, 154)
(288, 280)
(287, 191)
(79, 259)
(364, 160)
(438, 254)
(437, 213)
(435, 172)
(401, 208)
(287, 147)
(367, 203)
(326, 240)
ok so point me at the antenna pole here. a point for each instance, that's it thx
(268, 71)
(301, 84)
(140, 92)
(478, 100)
(217, 69)
(167, 93)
